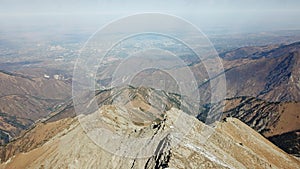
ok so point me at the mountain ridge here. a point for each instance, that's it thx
(60, 150)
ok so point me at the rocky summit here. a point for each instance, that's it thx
(118, 136)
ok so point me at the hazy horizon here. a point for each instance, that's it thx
(232, 15)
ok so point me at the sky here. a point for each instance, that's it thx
(128, 6)
(230, 14)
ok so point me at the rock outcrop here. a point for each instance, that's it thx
(177, 141)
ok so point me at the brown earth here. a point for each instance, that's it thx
(25, 99)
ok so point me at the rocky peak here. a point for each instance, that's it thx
(231, 145)
(128, 135)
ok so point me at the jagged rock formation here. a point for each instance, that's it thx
(232, 145)
(132, 133)
(269, 73)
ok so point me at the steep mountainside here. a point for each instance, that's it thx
(263, 91)
(290, 142)
(268, 72)
(140, 99)
(253, 52)
(256, 52)
(273, 75)
(232, 145)
(173, 138)
(271, 119)
(25, 99)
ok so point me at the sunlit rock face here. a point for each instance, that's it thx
(140, 135)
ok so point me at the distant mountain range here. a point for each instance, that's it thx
(263, 91)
